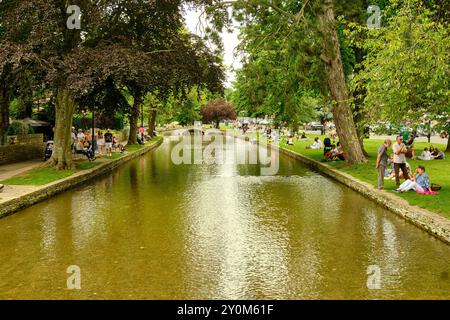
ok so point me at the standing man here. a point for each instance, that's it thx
(382, 162)
(108, 142)
(400, 150)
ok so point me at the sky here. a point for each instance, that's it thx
(230, 41)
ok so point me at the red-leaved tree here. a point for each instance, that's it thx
(216, 111)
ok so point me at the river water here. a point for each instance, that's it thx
(156, 230)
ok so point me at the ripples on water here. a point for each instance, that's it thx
(153, 230)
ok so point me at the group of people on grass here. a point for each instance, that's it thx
(331, 150)
(419, 182)
(431, 153)
(103, 143)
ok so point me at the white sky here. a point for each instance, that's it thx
(230, 41)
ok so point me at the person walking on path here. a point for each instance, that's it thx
(382, 162)
(400, 150)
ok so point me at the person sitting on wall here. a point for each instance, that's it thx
(87, 151)
(80, 135)
(79, 147)
(140, 140)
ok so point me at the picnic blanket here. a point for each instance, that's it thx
(433, 193)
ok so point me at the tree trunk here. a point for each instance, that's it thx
(361, 143)
(65, 108)
(152, 122)
(358, 97)
(448, 143)
(342, 113)
(134, 119)
(360, 131)
(322, 130)
(4, 115)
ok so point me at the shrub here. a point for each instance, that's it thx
(18, 127)
(125, 133)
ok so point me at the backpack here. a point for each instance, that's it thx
(435, 187)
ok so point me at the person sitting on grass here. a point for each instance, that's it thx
(389, 170)
(290, 141)
(338, 153)
(121, 148)
(316, 145)
(419, 183)
(410, 152)
(335, 154)
(426, 155)
(401, 176)
(437, 155)
(303, 137)
(327, 149)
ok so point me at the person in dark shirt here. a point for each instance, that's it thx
(108, 142)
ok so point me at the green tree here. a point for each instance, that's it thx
(405, 73)
(305, 34)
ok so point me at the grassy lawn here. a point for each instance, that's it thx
(38, 177)
(438, 170)
(42, 176)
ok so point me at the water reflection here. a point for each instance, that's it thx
(154, 230)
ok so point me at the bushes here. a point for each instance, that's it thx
(125, 134)
(18, 127)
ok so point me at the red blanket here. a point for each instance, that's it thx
(433, 193)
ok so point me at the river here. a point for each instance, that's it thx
(156, 230)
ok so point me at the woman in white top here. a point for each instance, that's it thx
(100, 141)
(317, 144)
(426, 155)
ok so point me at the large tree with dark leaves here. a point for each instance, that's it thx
(119, 41)
(217, 110)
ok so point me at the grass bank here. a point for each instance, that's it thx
(438, 170)
(45, 175)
